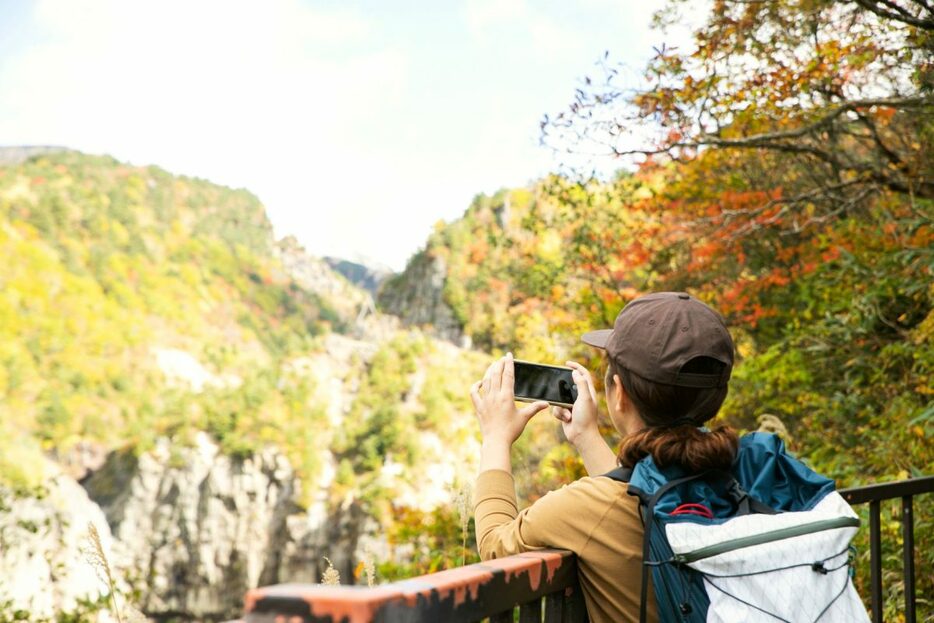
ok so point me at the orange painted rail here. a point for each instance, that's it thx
(538, 583)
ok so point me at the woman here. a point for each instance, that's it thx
(670, 358)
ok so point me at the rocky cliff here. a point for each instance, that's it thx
(187, 531)
(417, 297)
(317, 275)
(195, 529)
(43, 569)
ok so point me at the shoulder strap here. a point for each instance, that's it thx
(620, 474)
(648, 523)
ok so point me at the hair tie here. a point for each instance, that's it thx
(681, 421)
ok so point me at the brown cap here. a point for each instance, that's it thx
(656, 334)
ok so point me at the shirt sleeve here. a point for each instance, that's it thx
(563, 518)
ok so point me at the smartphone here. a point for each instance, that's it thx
(539, 381)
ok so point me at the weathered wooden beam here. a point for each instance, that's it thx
(458, 595)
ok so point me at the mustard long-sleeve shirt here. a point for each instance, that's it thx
(595, 518)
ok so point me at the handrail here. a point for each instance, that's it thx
(888, 490)
(874, 495)
(543, 582)
(461, 595)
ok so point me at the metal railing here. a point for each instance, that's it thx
(874, 495)
(540, 584)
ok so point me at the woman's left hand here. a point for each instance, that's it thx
(495, 403)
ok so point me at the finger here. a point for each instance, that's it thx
(475, 395)
(556, 411)
(586, 374)
(577, 366)
(487, 378)
(529, 411)
(509, 373)
(496, 378)
(593, 389)
(583, 387)
(563, 414)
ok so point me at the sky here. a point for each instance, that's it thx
(358, 124)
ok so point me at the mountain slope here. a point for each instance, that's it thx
(106, 262)
(152, 320)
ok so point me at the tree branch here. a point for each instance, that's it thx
(852, 105)
(896, 13)
(893, 157)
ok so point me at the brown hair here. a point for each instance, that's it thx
(672, 415)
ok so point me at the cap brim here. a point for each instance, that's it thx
(597, 338)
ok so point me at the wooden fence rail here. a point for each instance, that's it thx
(538, 583)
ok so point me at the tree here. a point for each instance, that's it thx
(841, 91)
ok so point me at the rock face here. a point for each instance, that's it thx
(204, 527)
(417, 297)
(44, 570)
(336, 281)
(316, 275)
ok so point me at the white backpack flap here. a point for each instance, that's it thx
(786, 567)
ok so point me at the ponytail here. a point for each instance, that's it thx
(686, 445)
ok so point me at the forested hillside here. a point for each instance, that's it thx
(105, 262)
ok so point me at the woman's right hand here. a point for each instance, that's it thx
(580, 422)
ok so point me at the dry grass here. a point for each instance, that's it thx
(94, 555)
(463, 502)
(331, 576)
(369, 568)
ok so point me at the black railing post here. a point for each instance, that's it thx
(575, 608)
(554, 607)
(531, 612)
(908, 553)
(875, 560)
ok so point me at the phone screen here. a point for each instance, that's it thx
(535, 381)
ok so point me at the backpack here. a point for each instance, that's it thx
(767, 541)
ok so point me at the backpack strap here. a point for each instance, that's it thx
(745, 503)
(620, 474)
(648, 523)
(624, 474)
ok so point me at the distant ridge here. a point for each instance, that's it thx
(368, 277)
(14, 154)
